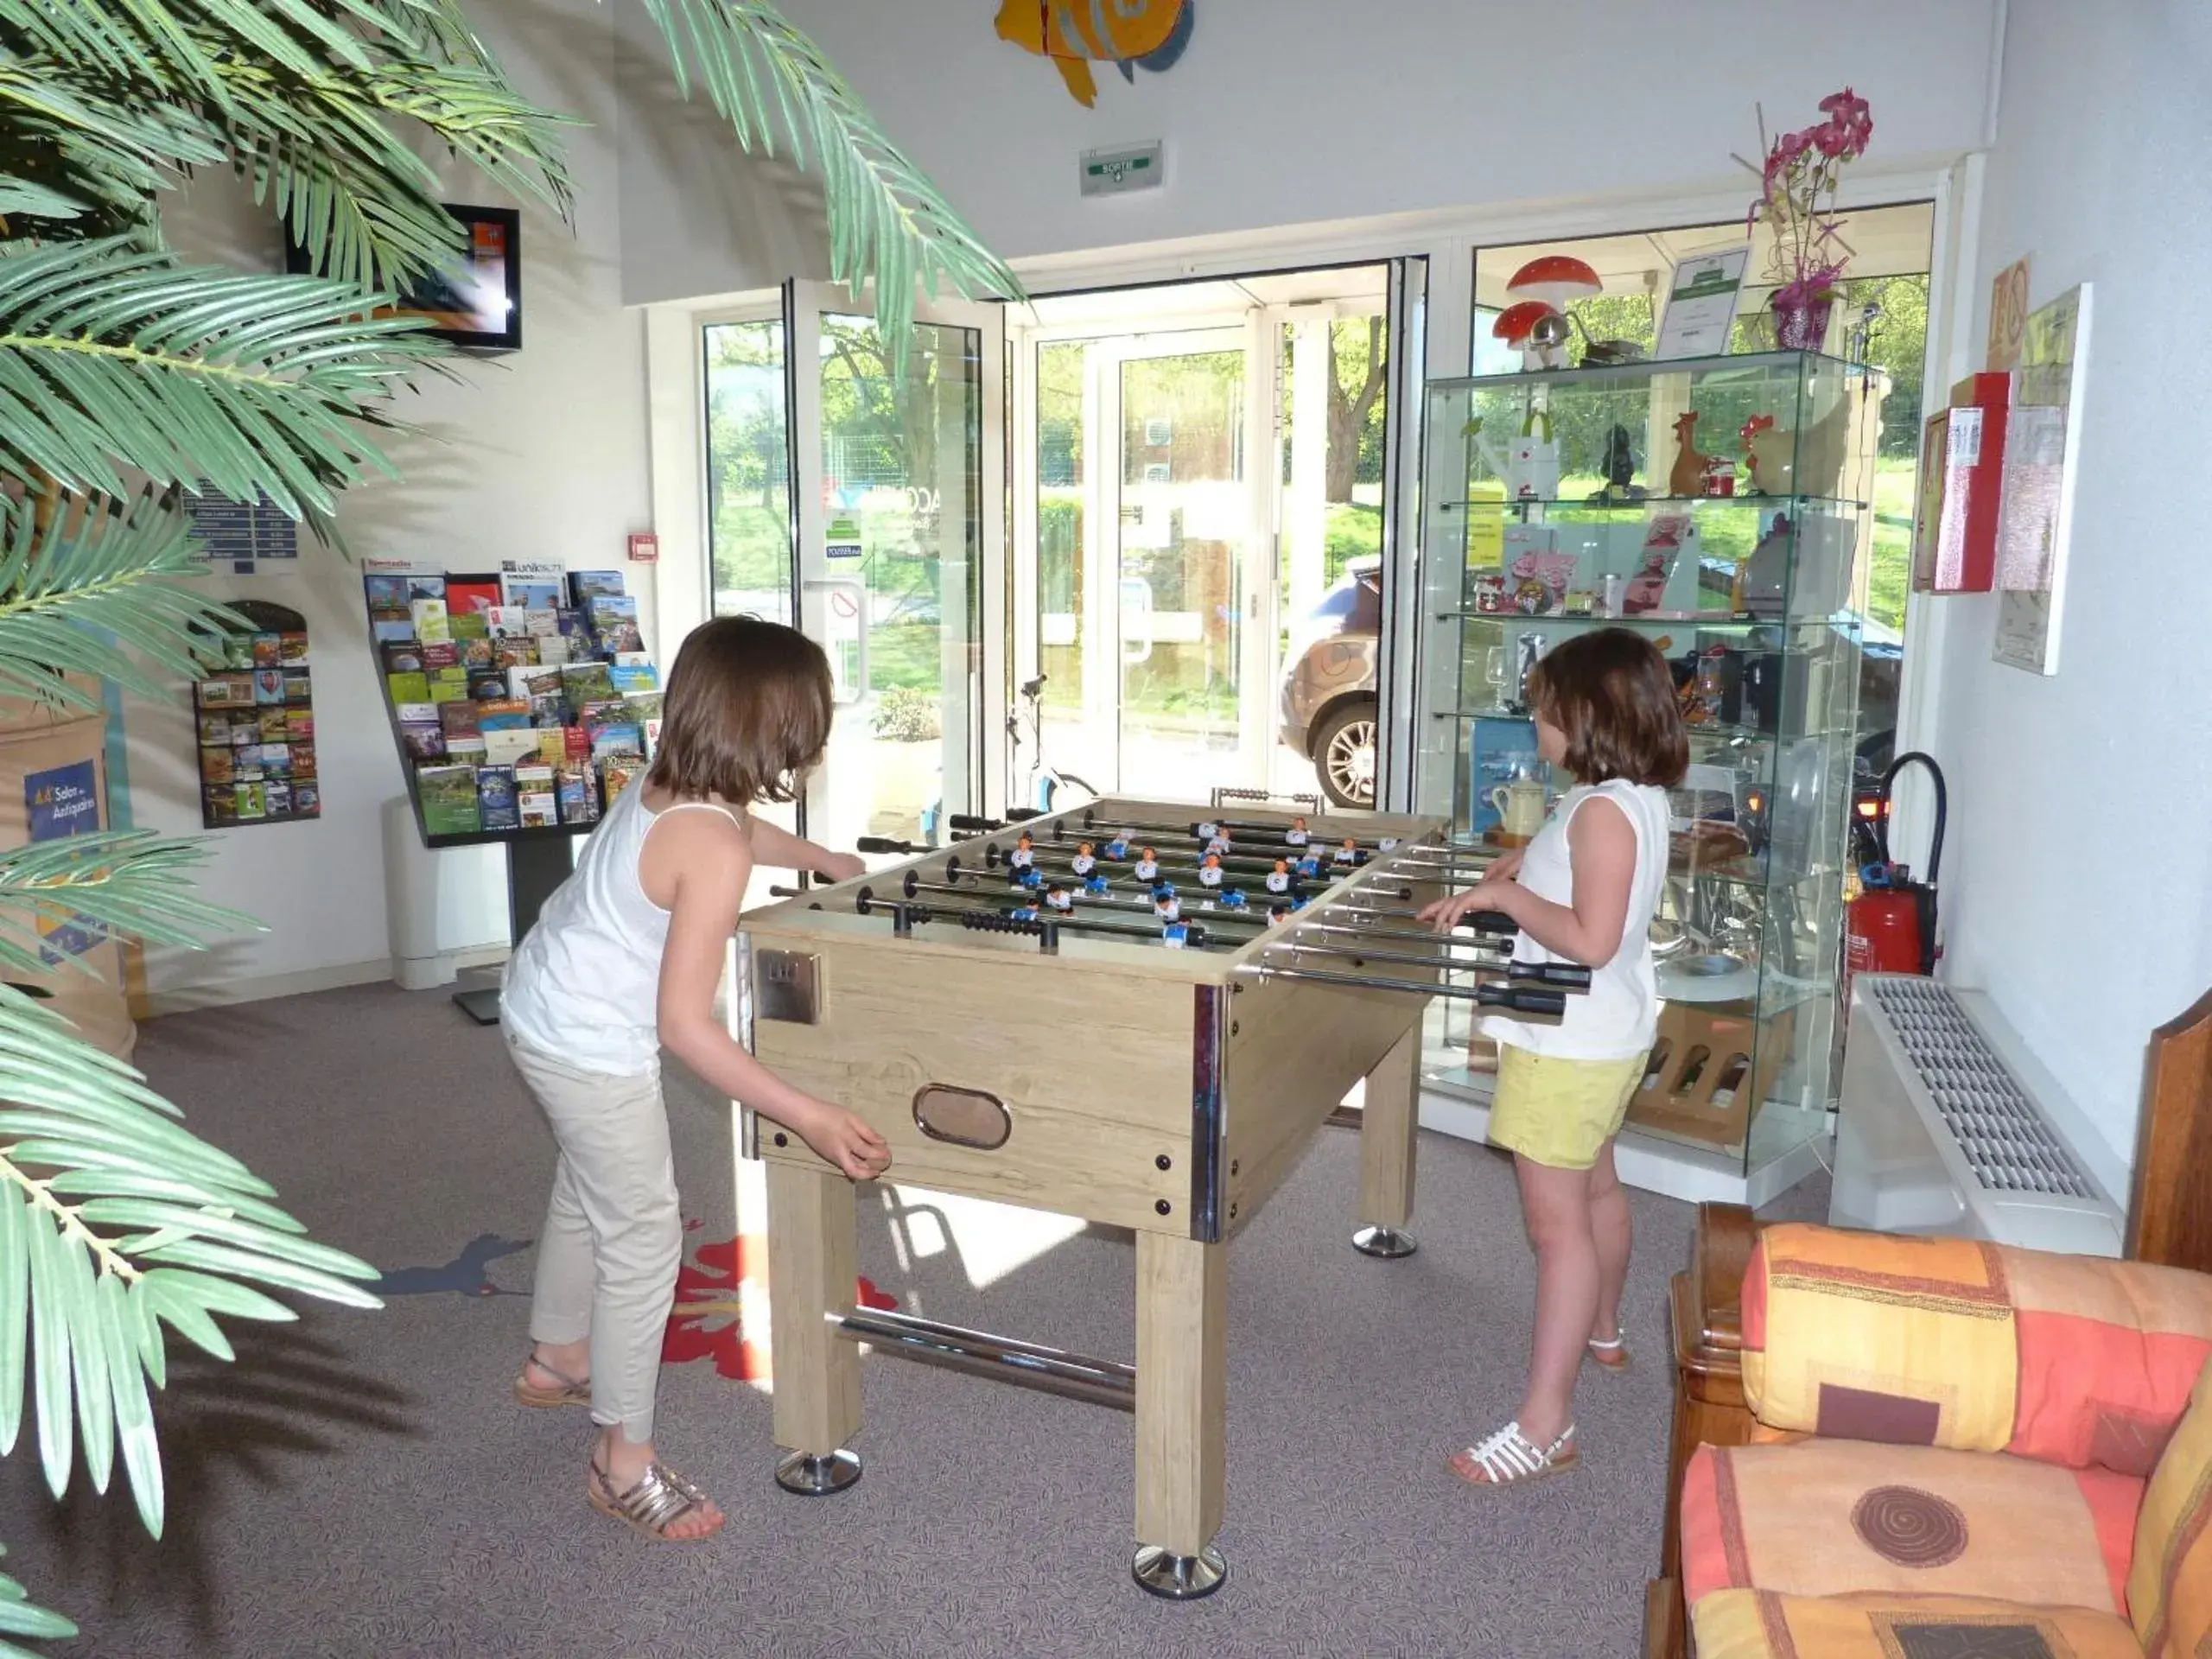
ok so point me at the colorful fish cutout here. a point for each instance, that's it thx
(1075, 34)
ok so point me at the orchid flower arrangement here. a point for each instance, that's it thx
(1801, 168)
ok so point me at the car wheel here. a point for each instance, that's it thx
(1344, 755)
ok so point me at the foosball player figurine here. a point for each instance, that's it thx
(1097, 884)
(1084, 861)
(1218, 844)
(1279, 877)
(1209, 872)
(1166, 906)
(1347, 853)
(1278, 913)
(1022, 913)
(1024, 853)
(1175, 936)
(1058, 898)
(1309, 866)
(1118, 848)
(1148, 866)
(1233, 899)
(1029, 876)
(1297, 835)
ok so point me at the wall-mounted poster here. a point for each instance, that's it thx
(64, 801)
(479, 301)
(2035, 518)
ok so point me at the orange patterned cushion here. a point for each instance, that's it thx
(2109, 1351)
(1875, 1337)
(1832, 1517)
(1950, 1342)
(1759, 1624)
(2170, 1589)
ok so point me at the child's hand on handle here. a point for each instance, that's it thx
(842, 1138)
(840, 867)
(1487, 894)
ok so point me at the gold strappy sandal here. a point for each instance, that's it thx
(661, 1498)
(570, 1393)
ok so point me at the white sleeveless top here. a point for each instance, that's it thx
(584, 986)
(1618, 1018)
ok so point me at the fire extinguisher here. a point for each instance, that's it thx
(1891, 927)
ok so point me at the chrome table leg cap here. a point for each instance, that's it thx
(1179, 1578)
(812, 1474)
(1386, 1242)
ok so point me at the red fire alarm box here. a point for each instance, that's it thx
(645, 549)
(1957, 550)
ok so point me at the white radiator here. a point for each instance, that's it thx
(1936, 1132)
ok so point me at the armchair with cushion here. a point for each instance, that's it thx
(1909, 1447)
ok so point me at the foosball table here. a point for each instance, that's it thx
(1236, 975)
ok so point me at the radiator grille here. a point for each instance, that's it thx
(2006, 1143)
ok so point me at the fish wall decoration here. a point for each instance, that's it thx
(1076, 33)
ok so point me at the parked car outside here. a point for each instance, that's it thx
(1328, 700)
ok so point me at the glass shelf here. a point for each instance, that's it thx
(1766, 577)
(1765, 503)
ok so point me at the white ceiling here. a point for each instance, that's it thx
(1169, 304)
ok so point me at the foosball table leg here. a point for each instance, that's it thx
(1182, 1375)
(1386, 1124)
(812, 1252)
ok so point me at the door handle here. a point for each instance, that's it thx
(1139, 589)
(857, 691)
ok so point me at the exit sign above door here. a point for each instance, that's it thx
(1135, 167)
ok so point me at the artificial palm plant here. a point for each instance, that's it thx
(131, 382)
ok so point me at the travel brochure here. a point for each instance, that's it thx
(522, 699)
(255, 719)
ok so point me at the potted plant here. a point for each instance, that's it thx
(1809, 256)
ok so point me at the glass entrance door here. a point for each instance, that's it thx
(1182, 535)
(894, 518)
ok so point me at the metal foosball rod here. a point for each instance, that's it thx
(1175, 870)
(1192, 855)
(1138, 909)
(1092, 822)
(1573, 975)
(1566, 975)
(1521, 999)
(906, 914)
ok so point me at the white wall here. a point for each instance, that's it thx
(537, 454)
(1294, 111)
(2077, 884)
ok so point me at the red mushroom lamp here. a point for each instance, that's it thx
(1553, 280)
(1533, 329)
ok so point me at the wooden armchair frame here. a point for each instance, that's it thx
(2170, 1222)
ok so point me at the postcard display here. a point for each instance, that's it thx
(524, 705)
(255, 716)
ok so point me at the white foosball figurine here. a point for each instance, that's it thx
(1083, 864)
(1058, 898)
(1297, 835)
(1024, 853)
(1208, 831)
(1278, 914)
(1118, 848)
(1148, 867)
(1167, 908)
(1279, 877)
(1347, 853)
(1388, 843)
(1209, 872)
(1216, 846)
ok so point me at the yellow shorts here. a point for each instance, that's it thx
(1557, 1112)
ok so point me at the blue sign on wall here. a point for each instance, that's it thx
(64, 801)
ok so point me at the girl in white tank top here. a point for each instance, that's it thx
(625, 958)
(1584, 891)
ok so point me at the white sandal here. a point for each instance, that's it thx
(1610, 1354)
(1509, 1456)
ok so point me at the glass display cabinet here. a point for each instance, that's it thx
(1718, 507)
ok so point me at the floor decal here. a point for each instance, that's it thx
(716, 1300)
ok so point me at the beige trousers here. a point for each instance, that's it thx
(613, 1234)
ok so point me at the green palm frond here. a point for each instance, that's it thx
(242, 384)
(131, 39)
(129, 881)
(19, 1617)
(94, 587)
(888, 223)
(114, 1220)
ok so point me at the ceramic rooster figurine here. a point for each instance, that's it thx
(1687, 476)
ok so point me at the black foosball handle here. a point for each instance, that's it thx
(885, 844)
(1521, 1000)
(969, 820)
(1489, 921)
(1569, 975)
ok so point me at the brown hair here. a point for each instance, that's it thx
(1613, 694)
(748, 710)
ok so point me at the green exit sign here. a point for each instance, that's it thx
(1109, 171)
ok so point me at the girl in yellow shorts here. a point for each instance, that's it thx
(1583, 890)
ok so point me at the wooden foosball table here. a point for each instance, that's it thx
(1234, 982)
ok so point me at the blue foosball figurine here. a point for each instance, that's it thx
(1309, 865)
(1175, 935)
(1032, 877)
(1096, 885)
(1023, 912)
(1233, 899)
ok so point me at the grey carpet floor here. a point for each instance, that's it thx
(361, 1484)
